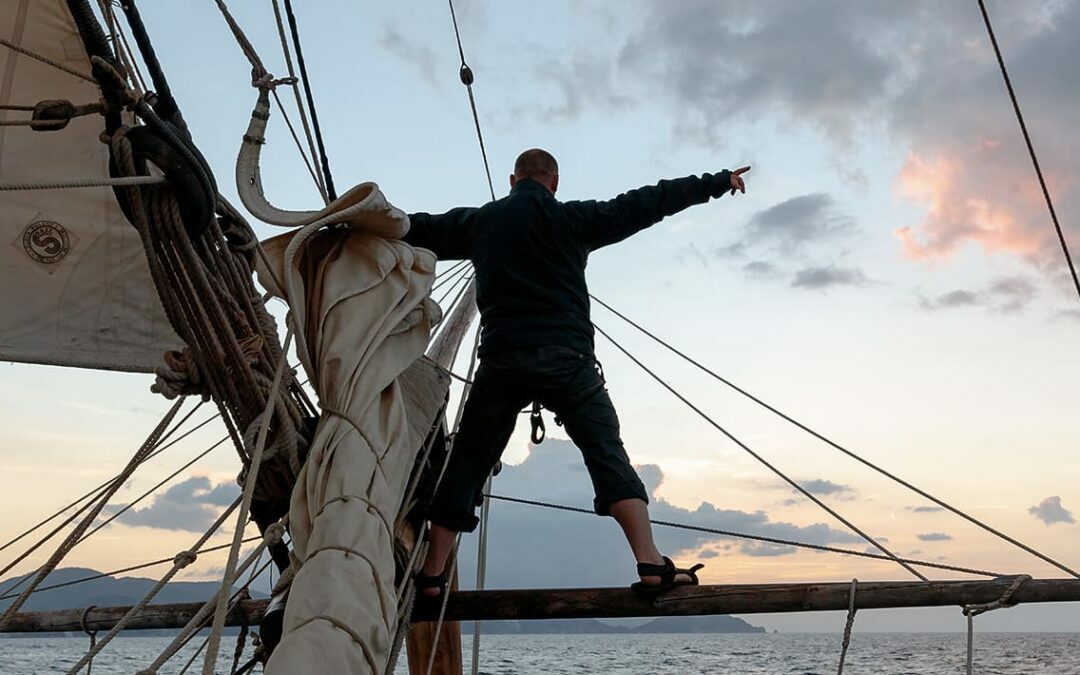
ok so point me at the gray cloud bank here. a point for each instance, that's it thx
(535, 547)
(189, 506)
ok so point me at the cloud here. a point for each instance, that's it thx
(816, 278)
(934, 536)
(190, 506)
(535, 547)
(1007, 295)
(793, 223)
(760, 269)
(805, 229)
(820, 486)
(419, 56)
(1051, 511)
(925, 509)
(922, 74)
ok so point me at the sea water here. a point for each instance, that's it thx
(725, 654)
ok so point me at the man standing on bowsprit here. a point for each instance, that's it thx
(529, 253)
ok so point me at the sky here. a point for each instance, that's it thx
(891, 278)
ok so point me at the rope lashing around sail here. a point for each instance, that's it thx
(846, 451)
(46, 60)
(1030, 146)
(754, 537)
(783, 476)
(848, 625)
(180, 561)
(52, 114)
(972, 611)
(73, 537)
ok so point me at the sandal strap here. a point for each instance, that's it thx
(666, 571)
(692, 572)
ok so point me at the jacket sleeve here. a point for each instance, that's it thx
(448, 235)
(603, 223)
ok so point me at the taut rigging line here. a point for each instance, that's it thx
(828, 441)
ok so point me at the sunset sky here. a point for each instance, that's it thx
(891, 278)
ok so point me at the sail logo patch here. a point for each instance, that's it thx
(46, 241)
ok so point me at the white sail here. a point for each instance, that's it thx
(76, 286)
(360, 305)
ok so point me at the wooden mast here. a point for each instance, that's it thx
(422, 637)
(606, 603)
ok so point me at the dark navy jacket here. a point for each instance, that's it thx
(529, 251)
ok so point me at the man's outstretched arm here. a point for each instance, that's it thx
(604, 223)
(448, 235)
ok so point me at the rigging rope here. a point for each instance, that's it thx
(320, 180)
(756, 537)
(1030, 146)
(104, 485)
(467, 78)
(245, 505)
(299, 147)
(123, 570)
(972, 611)
(182, 560)
(848, 625)
(306, 81)
(72, 539)
(481, 571)
(806, 493)
(850, 453)
(125, 181)
(44, 59)
(197, 621)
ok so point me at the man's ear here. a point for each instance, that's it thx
(555, 184)
(513, 181)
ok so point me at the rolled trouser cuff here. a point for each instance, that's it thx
(458, 522)
(630, 489)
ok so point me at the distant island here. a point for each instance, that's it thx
(117, 591)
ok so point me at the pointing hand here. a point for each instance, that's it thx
(737, 183)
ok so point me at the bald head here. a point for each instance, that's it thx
(538, 165)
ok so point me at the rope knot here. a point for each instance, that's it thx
(264, 81)
(184, 558)
(179, 376)
(274, 533)
(1000, 603)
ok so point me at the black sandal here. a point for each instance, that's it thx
(667, 573)
(424, 582)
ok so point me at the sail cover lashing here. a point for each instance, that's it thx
(360, 307)
(76, 285)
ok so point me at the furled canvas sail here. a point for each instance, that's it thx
(76, 286)
(360, 305)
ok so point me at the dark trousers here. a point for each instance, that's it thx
(564, 381)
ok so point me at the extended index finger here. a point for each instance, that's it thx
(743, 170)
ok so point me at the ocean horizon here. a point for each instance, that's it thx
(636, 654)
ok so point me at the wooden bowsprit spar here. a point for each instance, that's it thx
(610, 603)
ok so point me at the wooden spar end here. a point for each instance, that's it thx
(599, 603)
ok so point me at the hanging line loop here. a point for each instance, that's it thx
(972, 611)
(537, 421)
(92, 634)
